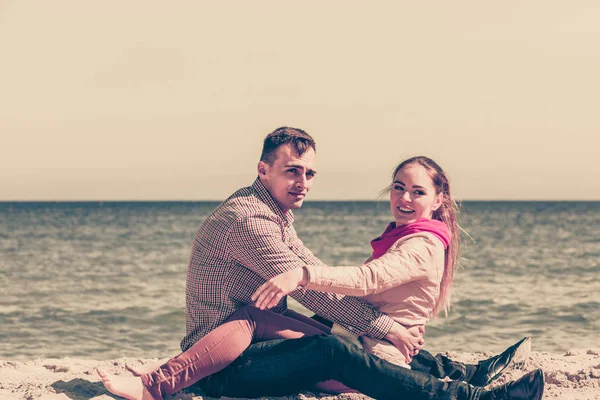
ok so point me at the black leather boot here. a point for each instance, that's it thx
(529, 387)
(490, 369)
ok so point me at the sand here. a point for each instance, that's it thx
(574, 375)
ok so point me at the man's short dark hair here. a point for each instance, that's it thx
(300, 141)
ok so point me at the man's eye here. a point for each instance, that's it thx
(311, 174)
(292, 170)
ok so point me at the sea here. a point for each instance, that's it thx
(103, 280)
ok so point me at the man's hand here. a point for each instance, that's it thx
(273, 290)
(408, 341)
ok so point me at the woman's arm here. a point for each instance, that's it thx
(409, 261)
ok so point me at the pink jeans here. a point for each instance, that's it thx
(224, 344)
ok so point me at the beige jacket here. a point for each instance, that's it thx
(404, 283)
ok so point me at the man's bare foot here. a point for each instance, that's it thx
(142, 369)
(130, 387)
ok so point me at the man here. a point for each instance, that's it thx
(250, 238)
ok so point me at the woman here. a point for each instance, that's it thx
(410, 273)
(409, 277)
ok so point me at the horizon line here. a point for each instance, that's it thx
(306, 201)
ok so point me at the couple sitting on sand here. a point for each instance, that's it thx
(247, 252)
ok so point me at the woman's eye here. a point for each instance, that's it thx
(419, 192)
(398, 187)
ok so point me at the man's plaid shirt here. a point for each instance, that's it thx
(245, 241)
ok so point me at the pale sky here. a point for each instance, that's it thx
(148, 100)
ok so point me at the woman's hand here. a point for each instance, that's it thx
(273, 290)
(408, 341)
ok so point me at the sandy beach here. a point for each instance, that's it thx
(574, 375)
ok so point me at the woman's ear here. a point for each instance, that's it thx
(439, 199)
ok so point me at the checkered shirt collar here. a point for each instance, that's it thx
(263, 195)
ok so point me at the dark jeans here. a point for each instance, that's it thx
(442, 367)
(285, 367)
(438, 366)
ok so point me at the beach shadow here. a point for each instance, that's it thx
(80, 389)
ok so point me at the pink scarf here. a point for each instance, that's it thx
(392, 233)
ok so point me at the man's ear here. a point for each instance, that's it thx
(262, 169)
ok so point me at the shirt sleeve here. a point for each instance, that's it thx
(257, 243)
(411, 260)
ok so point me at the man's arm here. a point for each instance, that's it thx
(256, 242)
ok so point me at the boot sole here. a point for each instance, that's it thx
(543, 377)
(519, 359)
(521, 356)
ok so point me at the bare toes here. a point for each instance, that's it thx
(102, 374)
(136, 371)
(142, 370)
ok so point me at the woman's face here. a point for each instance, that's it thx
(413, 195)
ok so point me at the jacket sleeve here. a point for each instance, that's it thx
(256, 242)
(406, 261)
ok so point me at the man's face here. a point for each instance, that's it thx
(290, 177)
